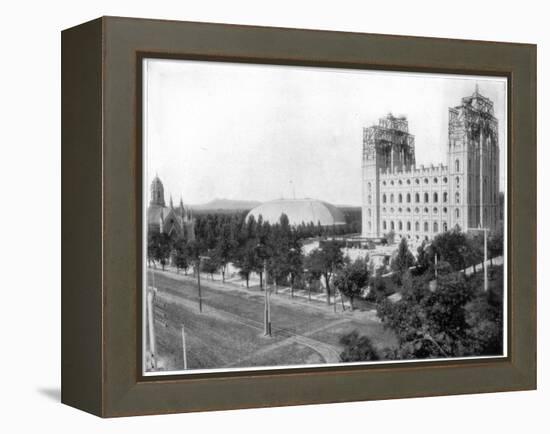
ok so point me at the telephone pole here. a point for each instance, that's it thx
(151, 292)
(267, 313)
(184, 347)
(199, 280)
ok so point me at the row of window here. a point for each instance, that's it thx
(416, 210)
(392, 226)
(417, 181)
(400, 196)
(400, 182)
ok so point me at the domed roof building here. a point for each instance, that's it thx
(299, 211)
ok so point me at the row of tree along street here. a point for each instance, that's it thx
(456, 319)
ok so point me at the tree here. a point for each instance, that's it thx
(295, 265)
(225, 248)
(325, 260)
(484, 316)
(159, 246)
(357, 348)
(194, 250)
(424, 258)
(453, 247)
(181, 255)
(431, 324)
(389, 238)
(402, 261)
(247, 261)
(352, 278)
(495, 243)
(210, 264)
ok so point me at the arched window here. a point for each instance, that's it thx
(435, 180)
(445, 196)
(457, 165)
(417, 226)
(434, 210)
(436, 197)
(408, 198)
(426, 227)
(426, 197)
(370, 199)
(457, 182)
(436, 228)
(416, 197)
(384, 198)
(391, 198)
(400, 225)
(445, 180)
(444, 210)
(457, 197)
(408, 226)
(445, 226)
(426, 211)
(457, 213)
(392, 226)
(400, 198)
(384, 225)
(369, 187)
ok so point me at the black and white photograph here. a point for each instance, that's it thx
(308, 216)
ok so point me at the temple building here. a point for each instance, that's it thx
(175, 221)
(418, 202)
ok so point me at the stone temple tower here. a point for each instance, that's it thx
(387, 148)
(157, 192)
(473, 161)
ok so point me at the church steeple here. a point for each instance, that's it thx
(182, 209)
(157, 192)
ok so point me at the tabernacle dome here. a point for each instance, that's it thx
(299, 211)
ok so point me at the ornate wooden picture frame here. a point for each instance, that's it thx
(104, 344)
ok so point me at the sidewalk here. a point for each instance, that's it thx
(235, 283)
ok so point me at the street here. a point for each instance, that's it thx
(229, 333)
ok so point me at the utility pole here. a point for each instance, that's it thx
(184, 347)
(151, 291)
(199, 284)
(481, 224)
(199, 280)
(481, 220)
(485, 281)
(267, 313)
(485, 278)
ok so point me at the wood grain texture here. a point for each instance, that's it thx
(81, 213)
(112, 300)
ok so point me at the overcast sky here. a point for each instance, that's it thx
(261, 132)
